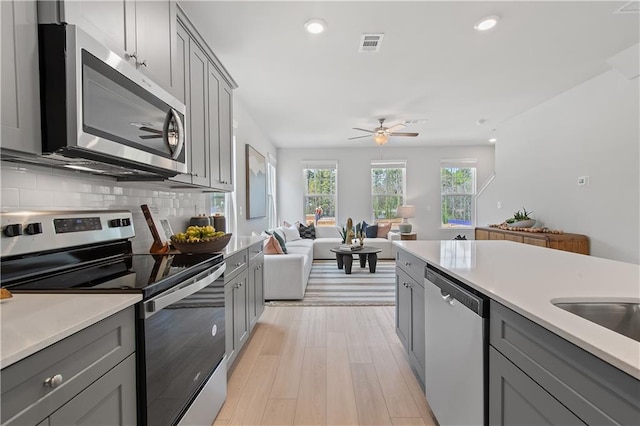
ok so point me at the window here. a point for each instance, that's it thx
(320, 200)
(272, 216)
(458, 189)
(387, 189)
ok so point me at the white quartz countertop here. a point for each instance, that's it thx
(527, 279)
(31, 322)
(239, 243)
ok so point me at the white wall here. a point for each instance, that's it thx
(354, 182)
(247, 132)
(31, 187)
(591, 130)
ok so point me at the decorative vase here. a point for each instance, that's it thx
(405, 228)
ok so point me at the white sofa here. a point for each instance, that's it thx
(286, 275)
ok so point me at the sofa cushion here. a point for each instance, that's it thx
(279, 238)
(272, 246)
(328, 232)
(383, 230)
(303, 242)
(371, 231)
(307, 232)
(291, 233)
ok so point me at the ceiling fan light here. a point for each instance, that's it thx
(380, 139)
(487, 23)
(315, 26)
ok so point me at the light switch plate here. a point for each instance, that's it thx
(583, 180)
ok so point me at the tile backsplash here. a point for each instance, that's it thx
(33, 187)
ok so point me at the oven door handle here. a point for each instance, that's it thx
(158, 303)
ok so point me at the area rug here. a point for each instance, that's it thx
(330, 286)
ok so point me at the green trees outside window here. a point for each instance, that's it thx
(458, 187)
(320, 194)
(387, 190)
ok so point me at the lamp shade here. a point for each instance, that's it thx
(406, 211)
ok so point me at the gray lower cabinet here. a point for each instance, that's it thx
(19, 79)
(109, 400)
(515, 398)
(553, 381)
(244, 298)
(86, 378)
(255, 305)
(410, 325)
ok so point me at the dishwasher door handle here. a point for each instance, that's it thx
(446, 297)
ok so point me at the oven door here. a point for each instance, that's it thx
(181, 342)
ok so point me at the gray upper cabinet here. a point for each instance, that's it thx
(208, 95)
(20, 87)
(142, 32)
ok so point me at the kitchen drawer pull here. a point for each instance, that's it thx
(53, 382)
(237, 264)
(407, 263)
(446, 297)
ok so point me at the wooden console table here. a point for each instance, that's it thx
(575, 243)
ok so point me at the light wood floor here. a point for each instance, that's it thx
(334, 365)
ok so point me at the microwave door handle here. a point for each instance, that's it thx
(172, 115)
(158, 303)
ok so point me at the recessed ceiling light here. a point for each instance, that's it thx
(493, 140)
(487, 23)
(315, 26)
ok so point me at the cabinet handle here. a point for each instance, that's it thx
(53, 382)
(143, 63)
(407, 263)
(237, 264)
(133, 55)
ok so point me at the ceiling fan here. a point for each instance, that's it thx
(381, 134)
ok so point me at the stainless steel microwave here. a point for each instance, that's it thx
(101, 114)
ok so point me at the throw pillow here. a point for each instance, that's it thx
(286, 224)
(363, 227)
(307, 232)
(291, 233)
(371, 231)
(279, 230)
(280, 240)
(383, 230)
(272, 246)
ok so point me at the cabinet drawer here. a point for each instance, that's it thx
(235, 263)
(595, 391)
(411, 264)
(80, 359)
(255, 250)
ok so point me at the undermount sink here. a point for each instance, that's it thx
(623, 318)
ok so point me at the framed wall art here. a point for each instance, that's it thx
(256, 184)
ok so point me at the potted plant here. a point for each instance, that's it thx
(520, 219)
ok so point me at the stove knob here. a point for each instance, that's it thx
(13, 230)
(115, 223)
(34, 228)
(126, 222)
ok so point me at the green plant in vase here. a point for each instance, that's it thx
(521, 219)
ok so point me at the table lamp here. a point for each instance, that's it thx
(405, 212)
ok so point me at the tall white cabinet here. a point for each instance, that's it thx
(20, 87)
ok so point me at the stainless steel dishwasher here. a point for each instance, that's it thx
(456, 364)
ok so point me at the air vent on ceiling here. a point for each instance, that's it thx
(370, 42)
(631, 7)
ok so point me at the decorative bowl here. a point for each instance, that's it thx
(522, 223)
(210, 246)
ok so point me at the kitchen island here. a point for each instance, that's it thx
(543, 364)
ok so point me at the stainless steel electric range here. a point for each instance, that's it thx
(180, 329)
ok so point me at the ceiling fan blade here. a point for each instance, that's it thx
(150, 136)
(396, 127)
(404, 134)
(358, 137)
(363, 130)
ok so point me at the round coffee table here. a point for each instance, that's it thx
(345, 258)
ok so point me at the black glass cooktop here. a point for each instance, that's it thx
(83, 271)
